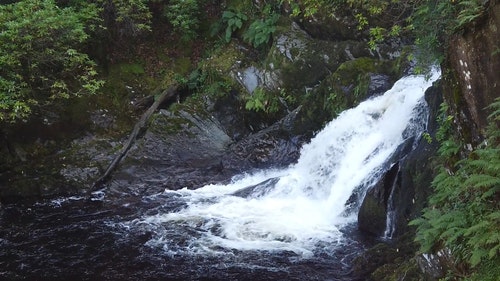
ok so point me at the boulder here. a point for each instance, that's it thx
(403, 189)
(372, 215)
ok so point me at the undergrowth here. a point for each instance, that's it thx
(463, 215)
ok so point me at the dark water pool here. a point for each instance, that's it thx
(84, 239)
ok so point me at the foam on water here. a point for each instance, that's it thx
(306, 203)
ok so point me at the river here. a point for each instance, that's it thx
(297, 223)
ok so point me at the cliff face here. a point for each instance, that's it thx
(472, 73)
(471, 82)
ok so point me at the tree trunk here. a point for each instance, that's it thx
(139, 127)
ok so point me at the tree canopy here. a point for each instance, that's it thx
(41, 58)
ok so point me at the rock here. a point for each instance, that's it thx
(408, 180)
(342, 26)
(352, 82)
(372, 215)
(250, 78)
(276, 145)
(388, 261)
(474, 60)
(379, 83)
(179, 149)
(296, 60)
(435, 267)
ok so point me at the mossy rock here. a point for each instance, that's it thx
(225, 58)
(389, 261)
(303, 61)
(344, 88)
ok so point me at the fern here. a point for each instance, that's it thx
(464, 214)
(470, 11)
(495, 106)
(482, 181)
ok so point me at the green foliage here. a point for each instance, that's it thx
(433, 21)
(261, 100)
(309, 8)
(430, 22)
(469, 11)
(39, 57)
(464, 215)
(377, 35)
(427, 137)
(134, 14)
(261, 30)
(126, 18)
(184, 17)
(233, 21)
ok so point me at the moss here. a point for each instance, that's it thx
(182, 66)
(245, 6)
(223, 58)
(131, 68)
(384, 262)
(167, 125)
(213, 76)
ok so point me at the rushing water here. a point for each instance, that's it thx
(296, 223)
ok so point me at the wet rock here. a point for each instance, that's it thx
(276, 145)
(379, 83)
(372, 215)
(257, 190)
(250, 78)
(341, 27)
(352, 82)
(435, 266)
(192, 149)
(408, 180)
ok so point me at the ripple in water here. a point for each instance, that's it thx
(300, 210)
(289, 224)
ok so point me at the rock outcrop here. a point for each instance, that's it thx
(404, 188)
(473, 83)
(210, 138)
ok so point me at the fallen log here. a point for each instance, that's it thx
(138, 129)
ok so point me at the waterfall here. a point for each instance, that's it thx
(390, 223)
(302, 206)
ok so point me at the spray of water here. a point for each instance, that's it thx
(297, 208)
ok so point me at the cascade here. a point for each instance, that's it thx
(390, 224)
(306, 204)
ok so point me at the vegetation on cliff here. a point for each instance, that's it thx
(463, 215)
(50, 48)
(53, 50)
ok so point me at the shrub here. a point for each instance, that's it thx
(184, 17)
(40, 57)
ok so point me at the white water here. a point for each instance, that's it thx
(306, 205)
